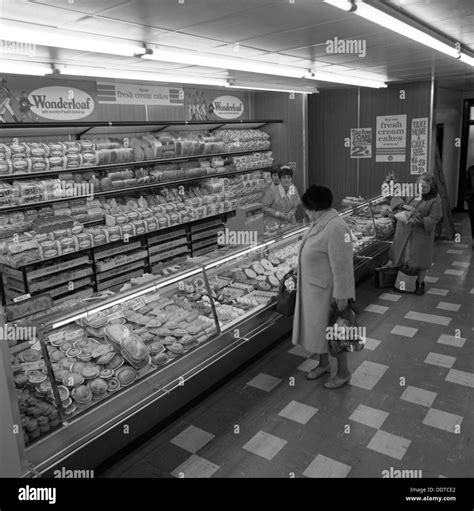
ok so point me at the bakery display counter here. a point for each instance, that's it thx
(114, 365)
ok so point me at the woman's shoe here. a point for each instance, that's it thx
(318, 372)
(336, 382)
(420, 288)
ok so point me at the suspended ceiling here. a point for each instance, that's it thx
(285, 32)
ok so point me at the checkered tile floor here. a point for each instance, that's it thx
(408, 406)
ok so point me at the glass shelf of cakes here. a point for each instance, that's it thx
(369, 220)
(95, 352)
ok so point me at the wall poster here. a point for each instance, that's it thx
(361, 143)
(390, 143)
(419, 145)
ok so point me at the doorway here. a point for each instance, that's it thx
(467, 148)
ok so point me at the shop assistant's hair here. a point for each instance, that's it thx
(432, 181)
(275, 170)
(285, 171)
(317, 198)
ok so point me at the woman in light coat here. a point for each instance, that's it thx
(413, 243)
(325, 274)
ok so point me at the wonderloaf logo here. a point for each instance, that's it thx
(61, 103)
(228, 107)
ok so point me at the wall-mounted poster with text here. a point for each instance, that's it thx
(35, 99)
(212, 105)
(419, 145)
(390, 143)
(138, 94)
(361, 143)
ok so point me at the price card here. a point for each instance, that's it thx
(57, 336)
(36, 346)
(115, 315)
(73, 334)
(21, 298)
(33, 366)
(136, 303)
(151, 298)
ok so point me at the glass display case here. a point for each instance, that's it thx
(101, 372)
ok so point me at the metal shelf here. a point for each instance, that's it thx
(143, 163)
(125, 191)
(78, 129)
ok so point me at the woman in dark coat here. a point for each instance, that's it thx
(413, 243)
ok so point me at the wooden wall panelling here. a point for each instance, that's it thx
(331, 115)
(287, 138)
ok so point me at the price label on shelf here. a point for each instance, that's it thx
(21, 298)
(151, 298)
(136, 303)
(115, 315)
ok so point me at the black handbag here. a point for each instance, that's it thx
(386, 276)
(286, 300)
(343, 332)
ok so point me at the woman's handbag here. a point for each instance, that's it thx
(386, 277)
(406, 280)
(286, 300)
(343, 333)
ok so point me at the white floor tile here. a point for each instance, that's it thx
(298, 412)
(447, 306)
(371, 344)
(404, 331)
(195, 467)
(457, 252)
(471, 291)
(461, 378)
(378, 309)
(442, 420)
(428, 318)
(419, 396)
(431, 280)
(322, 466)
(461, 264)
(264, 382)
(367, 375)
(457, 273)
(192, 439)
(451, 340)
(389, 297)
(436, 359)
(369, 416)
(391, 445)
(462, 245)
(308, 365)
(265, 445)
(299, 351)
(437, 291)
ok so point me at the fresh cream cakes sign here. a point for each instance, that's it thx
(391, 134)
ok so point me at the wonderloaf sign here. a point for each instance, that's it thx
(61, 103)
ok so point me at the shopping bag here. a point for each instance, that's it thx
(343, 332)
(406, 280)
(386, 277)
(286, 300)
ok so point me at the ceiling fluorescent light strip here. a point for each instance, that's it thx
(139, 76)
(394, 24)
(24, 68)
(283, 89)
(56, 39)
(255, 67)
